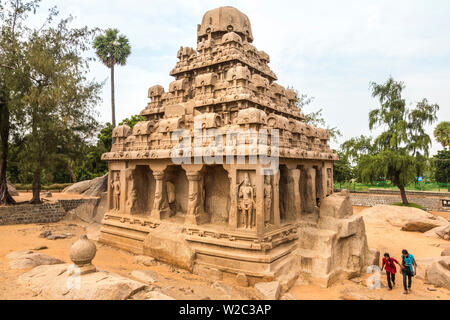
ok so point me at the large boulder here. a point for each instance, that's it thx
(78, 187)
(97, 186)
(166, 243)
(94, 187)
(442, 232)
(438, 273)
(11, 189)
(60, 282)
(30, 259)
(408, 219)
(91, 210)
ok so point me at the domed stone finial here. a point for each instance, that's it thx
(82, 253)
(222, 20)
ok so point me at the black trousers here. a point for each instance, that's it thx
(390, 277)
(407, 274)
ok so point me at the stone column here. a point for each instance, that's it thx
(294, 181)
(259, 214)
(324, 182)
(123, 190)
(193, 209)
(310, 197)
(276, 199)
(232, 218)
(159, 195)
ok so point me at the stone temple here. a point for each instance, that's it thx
(238, 215)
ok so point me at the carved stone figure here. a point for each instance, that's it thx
(267, 199)
(115, 187)
(247, 203)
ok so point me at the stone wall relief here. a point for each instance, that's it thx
(246, 202)
(115, 190)
(268, 199)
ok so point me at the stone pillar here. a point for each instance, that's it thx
(276, 199)
(310, 197)
(233, 216)
(123, 190)
(324, 182)
(193, 214)
(159, 195)
(259, 214)
(294, 181)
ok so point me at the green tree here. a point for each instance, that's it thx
(355, 148)
(131, 121)
(442, 166)
(342, 168)
(442, 133)
(403, 143)
(112, 49)
(58, 104)
(14, 79)
(314, 118)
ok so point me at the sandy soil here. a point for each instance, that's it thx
(182, 285)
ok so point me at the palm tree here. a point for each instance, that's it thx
(442, 133)
(112, 49)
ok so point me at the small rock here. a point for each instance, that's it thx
(45, 234)
(40, 248)
(59, 236)
(48, 194)
(242, 280)
(431, 289)
(145, 260)
(268, 290)
(145, 275)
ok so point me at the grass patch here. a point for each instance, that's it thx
(411, 205)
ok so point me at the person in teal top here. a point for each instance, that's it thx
(408, 269)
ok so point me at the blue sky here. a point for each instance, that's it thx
(330, 50)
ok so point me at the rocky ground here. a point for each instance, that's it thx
(164, 282)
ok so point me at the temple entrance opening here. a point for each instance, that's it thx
(142, 192)
(216, 189)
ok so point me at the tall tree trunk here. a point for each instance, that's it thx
(113, 104)
(72, 174)
(5, 197)
(36, 187)
(403, 195)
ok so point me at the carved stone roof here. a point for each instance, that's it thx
(225, 19)
(226, 83)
